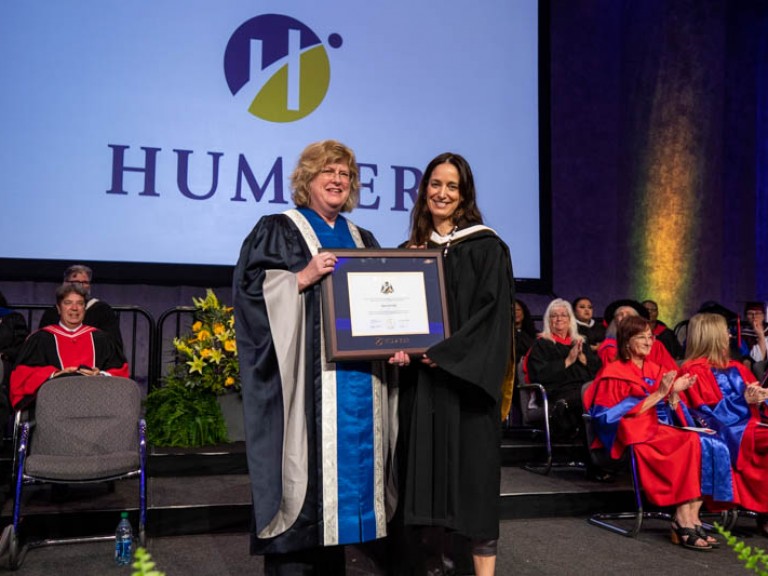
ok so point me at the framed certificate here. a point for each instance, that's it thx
(379, 301)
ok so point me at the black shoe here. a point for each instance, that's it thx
(762, 524)
(597, 474)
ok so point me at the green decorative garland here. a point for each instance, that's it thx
(754, 559)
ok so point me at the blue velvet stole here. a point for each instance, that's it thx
(607, 419)
(354, 418)
(730, 416)
(716, 478)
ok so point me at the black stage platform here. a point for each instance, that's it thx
(200, 500)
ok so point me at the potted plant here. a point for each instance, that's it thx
(202, 389)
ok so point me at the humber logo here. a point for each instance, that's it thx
(277, 67)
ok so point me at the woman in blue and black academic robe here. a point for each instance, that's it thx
(729, 399)
(316, 432)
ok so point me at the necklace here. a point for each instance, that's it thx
(450, 239)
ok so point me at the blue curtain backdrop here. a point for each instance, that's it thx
(761, 157)
(659, 151)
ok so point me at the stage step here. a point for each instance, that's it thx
(207, 490)
(221, 503)
(516, 450)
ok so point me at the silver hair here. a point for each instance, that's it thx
(573, 329)
(77, 269)
(613, 327)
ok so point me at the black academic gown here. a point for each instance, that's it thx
(13, 332)
(449, 415)
(276, 245)
(546, 366)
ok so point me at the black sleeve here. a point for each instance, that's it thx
(13, 332)
(102, 316)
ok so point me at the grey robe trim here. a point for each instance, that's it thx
(329, 431)
(285, 310)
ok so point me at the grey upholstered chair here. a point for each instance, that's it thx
(86, 429)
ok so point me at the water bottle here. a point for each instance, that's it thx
(123, 541)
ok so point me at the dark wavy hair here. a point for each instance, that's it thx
(528, 326)
(467, 211)
(629, 327)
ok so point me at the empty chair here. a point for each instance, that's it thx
(86, 429)
(538, 414)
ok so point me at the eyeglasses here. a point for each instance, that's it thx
(649, 337)
(331, 173)
(557, 316)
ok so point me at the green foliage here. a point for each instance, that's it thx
(183, 417)
(754, 559)
(144, 564)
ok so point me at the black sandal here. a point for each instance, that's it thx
(688, 537)
(701, 533)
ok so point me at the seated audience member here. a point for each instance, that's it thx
(615, 313)
(525, 330)
(593, 331)
(662, 332)
(726, 398)
(98, 313)
(560, 361)
(13, 332)
(736, 347)
(635, 402)
(67, 348)
(753, 333)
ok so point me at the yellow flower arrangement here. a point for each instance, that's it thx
(209, 352)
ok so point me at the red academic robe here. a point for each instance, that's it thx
(659, 354)
(717, 399)
(669, 459)
(52, 348)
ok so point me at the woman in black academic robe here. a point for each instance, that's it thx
(449, 398)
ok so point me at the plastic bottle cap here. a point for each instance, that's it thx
(124, 515)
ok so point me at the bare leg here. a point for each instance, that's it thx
(484, 565)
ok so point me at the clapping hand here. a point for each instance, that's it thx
(576, 353)
(671, 384)
(684, 382)
(754, 394)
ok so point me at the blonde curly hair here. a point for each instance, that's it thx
(313, 159)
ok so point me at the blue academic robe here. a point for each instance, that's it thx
(317, 433)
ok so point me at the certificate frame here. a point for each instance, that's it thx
(421, 275)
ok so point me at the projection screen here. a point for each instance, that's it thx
(148, 137)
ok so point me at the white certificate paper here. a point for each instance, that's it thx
(387, 304)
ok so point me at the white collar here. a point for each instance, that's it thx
(458, 234)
